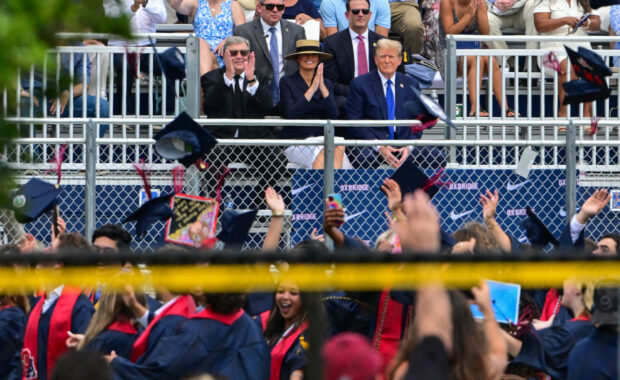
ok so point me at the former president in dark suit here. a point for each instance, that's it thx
(272, 37)
(380, 95)
(352, 49)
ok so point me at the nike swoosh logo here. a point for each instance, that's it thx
(349, 217)
(300, 189)
(455, 216)
(511, 187)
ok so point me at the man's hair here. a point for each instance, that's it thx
(114, 232)
(615, 237)
(232, 40)
(349, 4)
(387, 44)
(80, 365)
(72, 240)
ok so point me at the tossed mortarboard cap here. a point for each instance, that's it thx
(156, 209)
(537, 233)
(409, 177)
(183, 139)
(591, 70)
(33, 199)
(172, 63)
(430, 106)
(236, 225)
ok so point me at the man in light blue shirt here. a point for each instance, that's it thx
(333, 14)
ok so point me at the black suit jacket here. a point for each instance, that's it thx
(341, 68)
(219, 103)
(253, 32)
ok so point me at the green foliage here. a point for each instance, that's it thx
(27, 29)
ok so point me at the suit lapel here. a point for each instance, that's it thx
(260, 36)
(371, 50)
(399, 96)
(347, 47)
(377, 88)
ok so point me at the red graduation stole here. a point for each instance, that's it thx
(183, 306)
(278, 352)
(552, 305)
(60, 323)
(124, 325)
(388, 331)
(227, 319)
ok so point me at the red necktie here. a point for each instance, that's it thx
(362, 62)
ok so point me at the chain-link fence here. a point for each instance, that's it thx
(294, 169)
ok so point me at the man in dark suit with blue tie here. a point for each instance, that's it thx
(352, 50)
(380, 95)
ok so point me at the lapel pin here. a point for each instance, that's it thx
(401, 86)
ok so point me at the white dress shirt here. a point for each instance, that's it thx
(384, 84)
(267, 35)
(144, 20)
(51, 298)
(356, 42)
(251, 89)
(575, 229)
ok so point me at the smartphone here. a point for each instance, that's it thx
(334, 200)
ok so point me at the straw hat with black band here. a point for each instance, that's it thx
(304, 47)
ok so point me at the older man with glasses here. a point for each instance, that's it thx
(272, 38)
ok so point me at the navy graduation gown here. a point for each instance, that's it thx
(118, 337)
(80, 318)
(595, 357)
(548, 349)
(228, 345)
(258, 302)
(294, 360)
(12, 327)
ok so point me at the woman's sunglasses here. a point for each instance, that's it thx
(279, 7)
(357, 11)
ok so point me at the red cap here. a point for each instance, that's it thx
(348, 356)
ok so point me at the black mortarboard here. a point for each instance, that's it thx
(605, 306)
(172, 63)
(409, 177)
(430, 106)
(33, 199)
(235, 226)
(592, 70)
(183, 139)
(537, 233)
(156, 209)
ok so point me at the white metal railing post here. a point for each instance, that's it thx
(450, 92)
(192, 103)
(571, 171)
(91, 178)
(328, 171)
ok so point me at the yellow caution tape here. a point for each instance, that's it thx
(314, 277)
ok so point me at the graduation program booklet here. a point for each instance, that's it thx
(194, 220)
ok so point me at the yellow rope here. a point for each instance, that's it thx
(315, 276)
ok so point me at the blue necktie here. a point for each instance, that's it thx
(275, 64)
(389, 101)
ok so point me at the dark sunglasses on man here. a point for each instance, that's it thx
(243, 53)
(357, 11)
(279, 7)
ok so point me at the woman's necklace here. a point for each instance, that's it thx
(214, 7)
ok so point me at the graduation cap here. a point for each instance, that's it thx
(172, 63)
(409, 178)
(33, 199)
(537, 233)
(183, 139)
(236, 225)
(591, 70)
(153, 210)
(431, 107)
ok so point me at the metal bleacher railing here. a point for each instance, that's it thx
(101, 185)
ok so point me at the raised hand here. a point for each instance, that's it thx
(250, 66)
(388, 154)
(593, 205)
(482, 297)
(393, 193)
(230, 70)
(489, 205)
(274, 201)
(420, 231)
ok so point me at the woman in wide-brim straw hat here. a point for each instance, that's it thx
(308, 95)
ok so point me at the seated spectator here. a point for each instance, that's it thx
(558, 18)
(614, 27)
(308, 95)
(84, 105)
(407, 23)
(430, 22)
(334, 13)
(302, 11)
(470, 18)
(511, 14)
(213, 22)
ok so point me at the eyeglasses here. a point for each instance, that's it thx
(279, 7)
(243, 53)
(357, 11)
